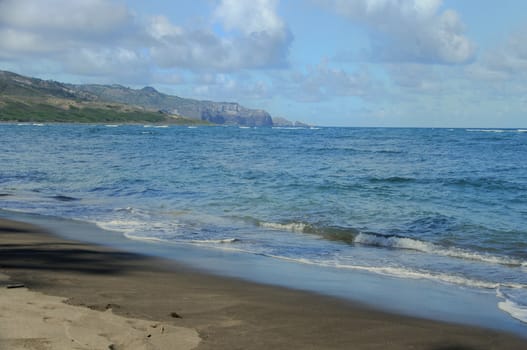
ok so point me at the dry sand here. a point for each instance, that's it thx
(32, 320)
(82, 296)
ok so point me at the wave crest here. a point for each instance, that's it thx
(400, 242)
(354, 236)
(291, 227)
(400, 272)
(512, 303)
(216, 241)
(332, 233)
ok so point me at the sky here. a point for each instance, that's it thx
(388, 63)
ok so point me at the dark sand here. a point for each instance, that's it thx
(227, 313)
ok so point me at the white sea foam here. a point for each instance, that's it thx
(284, 127)
(125, 226)
(392, 242)
(131, 210)
(146, 226)
(497, 130)
(400, 272)
(487, 130)
(512, 303)
(129, 228)
(216, 241)
(145, 238)
(111, 125)
(513, 309)
(430, 248)
(291, 227)
(425, 275)
(399, 242)
(136, 237)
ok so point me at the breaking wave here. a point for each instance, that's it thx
(291, 227)
(171, 240)
(354, 236)
(512, 302)
(215, 241)
(400, 272)
(496, 130)
(333, 233)
(399, 242)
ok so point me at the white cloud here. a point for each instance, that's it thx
(418, 78)
(409, 30)
(54, 30)
(323, 82)
(105, 61)
(90, 17)
(510, 59)
(255, 37)
(231, 87)
(14, 42)
(159, 28)
(251, 17)
(98, 37)
(501, 71)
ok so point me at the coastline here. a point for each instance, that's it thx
(226, 313)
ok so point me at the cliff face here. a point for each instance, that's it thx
(148, 98)
(215, 112)
(234, 114)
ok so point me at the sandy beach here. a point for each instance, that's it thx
(61, 294)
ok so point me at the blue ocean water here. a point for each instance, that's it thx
(443, 205)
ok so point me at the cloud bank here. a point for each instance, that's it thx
(408, 30)
(96, 37)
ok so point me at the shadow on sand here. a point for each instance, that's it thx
(19, 250)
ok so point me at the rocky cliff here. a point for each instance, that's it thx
(147, 98)
(229, 113)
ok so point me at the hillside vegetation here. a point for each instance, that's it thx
(31, 109)
(26, 99)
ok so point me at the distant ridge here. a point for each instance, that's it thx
(35, 99)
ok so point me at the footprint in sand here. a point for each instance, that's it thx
(31, 320)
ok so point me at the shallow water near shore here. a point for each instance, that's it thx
(417, 298)
(434, 212)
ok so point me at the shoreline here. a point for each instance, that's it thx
(226, 313)
(415, 298)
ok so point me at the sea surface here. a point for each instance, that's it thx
(447, 206)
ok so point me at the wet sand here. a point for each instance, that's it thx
(72, 295)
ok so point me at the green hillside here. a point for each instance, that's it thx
(26, 99)
(30, 109)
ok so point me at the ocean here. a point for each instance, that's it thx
(445, 207)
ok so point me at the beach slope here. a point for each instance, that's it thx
(71, 295)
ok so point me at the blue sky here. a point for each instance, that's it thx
(427, 63)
